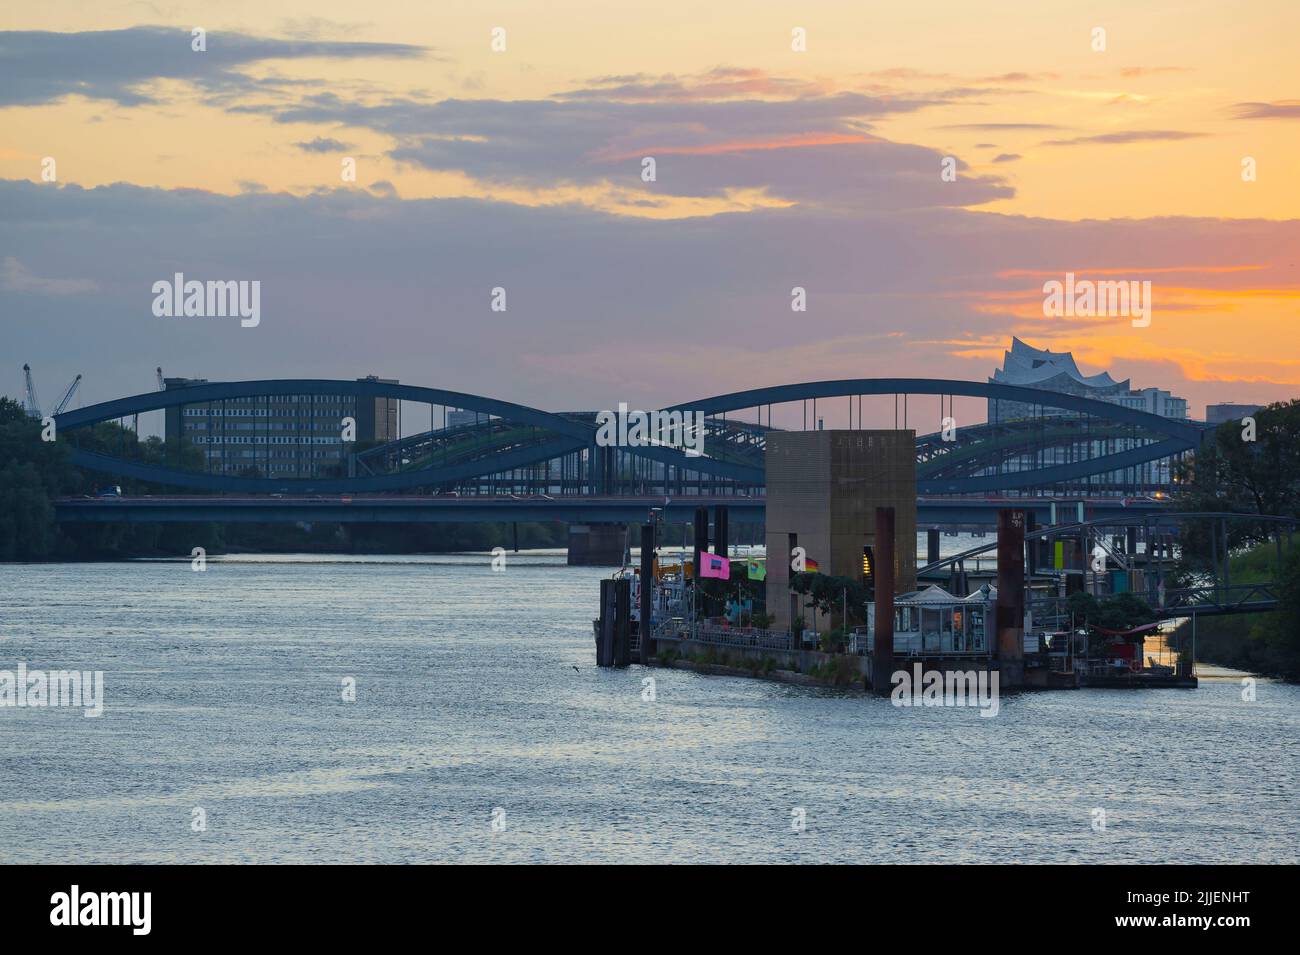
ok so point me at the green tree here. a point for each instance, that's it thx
(1114, 612)
(1275, 637)
(1230, 473)
(33, 472)
(830, 595)
(27, 529)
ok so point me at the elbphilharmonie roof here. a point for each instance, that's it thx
(1034, 367)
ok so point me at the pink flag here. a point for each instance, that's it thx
(713, 565)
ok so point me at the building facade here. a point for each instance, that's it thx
(1047, 370)
(824, 487)
(460, 418)
(280, 436)
(1218, 414)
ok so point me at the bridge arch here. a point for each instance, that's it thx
(560, 434)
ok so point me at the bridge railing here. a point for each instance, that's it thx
(1204, 598)
(1221, 595)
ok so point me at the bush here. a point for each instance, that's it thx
(833, 642)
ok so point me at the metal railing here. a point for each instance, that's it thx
(674, 629)
(744, 637)
(1207, 598)
(750, 637)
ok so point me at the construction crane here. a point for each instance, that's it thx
(32, 406)
(67, 396)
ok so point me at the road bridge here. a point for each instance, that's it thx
(356, 509)
(1070, 445)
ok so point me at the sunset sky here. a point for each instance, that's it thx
(521, 168)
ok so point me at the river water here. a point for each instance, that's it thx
(477, 699)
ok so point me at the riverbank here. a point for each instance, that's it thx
(1267, 644)
(792, 677)
(803, 668)
(1242, 644)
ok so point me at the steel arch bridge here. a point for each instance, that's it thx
(1066, 445)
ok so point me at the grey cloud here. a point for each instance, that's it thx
(810, 150)
(40, 67)
(16, 277)
(355, 283)
(322, 144)
(312, 28)
(720, 83)
(1281, 109)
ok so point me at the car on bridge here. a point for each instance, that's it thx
(1159, 497)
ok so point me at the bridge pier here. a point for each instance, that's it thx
(597, 545)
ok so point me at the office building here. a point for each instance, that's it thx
(288, 436)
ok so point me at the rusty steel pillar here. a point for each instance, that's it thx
(1011, 596)
(882, 653)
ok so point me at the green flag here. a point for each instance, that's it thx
(757, 569)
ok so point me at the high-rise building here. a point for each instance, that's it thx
(279, 436)
(377, 419)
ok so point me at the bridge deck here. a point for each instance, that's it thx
(359, 509)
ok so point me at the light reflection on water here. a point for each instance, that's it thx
(222, 691)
